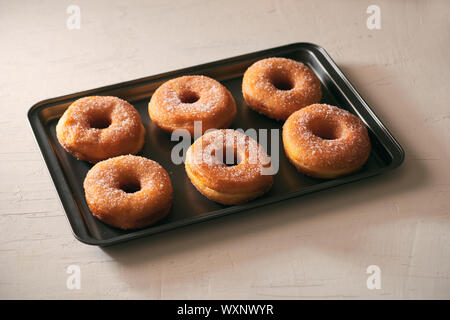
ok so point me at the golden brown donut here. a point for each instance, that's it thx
(228, 184)
(128, 192)
(179, 102)
(100, 127)
(277, 87)
(324, 141)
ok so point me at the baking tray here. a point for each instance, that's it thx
(189, 205)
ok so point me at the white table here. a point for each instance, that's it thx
(317, 246)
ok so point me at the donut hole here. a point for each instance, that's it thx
(131, 186)
(100, 123)
(326, 129)
(228, 156)
(189, 96)
(282, 82)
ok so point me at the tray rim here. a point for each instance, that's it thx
(395, 149)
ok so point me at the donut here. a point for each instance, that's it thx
(100, 127)
(128, 192)
(177, 103)
(227, 167)
(325, 142)
(277, 87)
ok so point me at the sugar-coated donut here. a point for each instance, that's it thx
(128, 192)
(206, 167)
(100, 127)
(324, 141)
(177, 103)
(277, 87)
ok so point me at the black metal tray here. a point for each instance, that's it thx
(189, 205)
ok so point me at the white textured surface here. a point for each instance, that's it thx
(317, 246)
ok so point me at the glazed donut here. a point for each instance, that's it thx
(277, 87)
(179, 102)
(99, 127)
(128, 192)
(325, 142)
(235, 184)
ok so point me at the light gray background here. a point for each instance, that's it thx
(317, 246)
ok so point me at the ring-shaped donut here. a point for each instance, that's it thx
(180, 102)
(277, 87)
(324, 141)
(128, 192)
(96, 128)
(208, 166)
